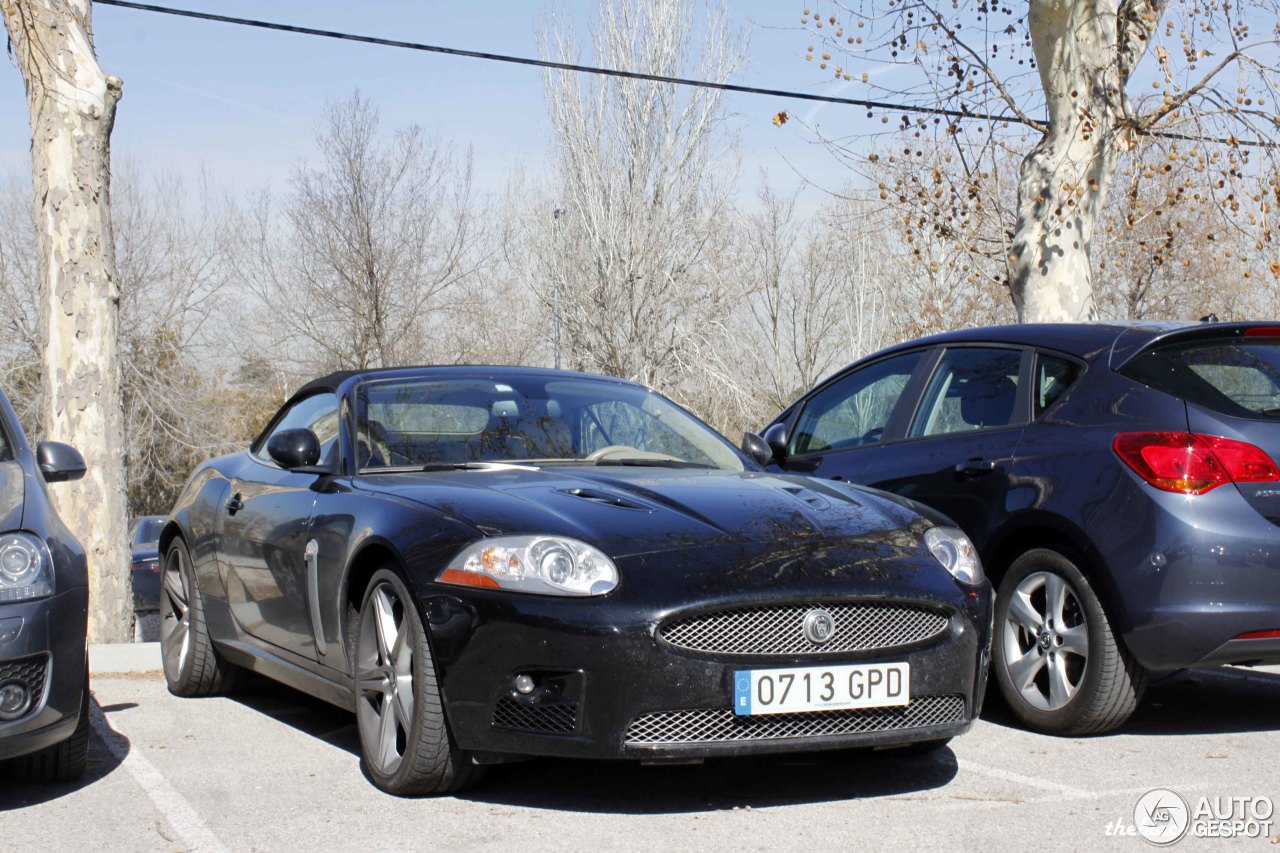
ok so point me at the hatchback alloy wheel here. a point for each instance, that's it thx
(1045, 641)
(1056, 659)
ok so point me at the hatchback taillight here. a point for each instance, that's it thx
(1193, 464)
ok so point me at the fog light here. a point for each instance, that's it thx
(14, 700)
(524, 684)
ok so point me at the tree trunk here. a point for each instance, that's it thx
(72, 105)
(1085, 51)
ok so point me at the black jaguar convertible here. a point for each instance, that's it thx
(486, 563)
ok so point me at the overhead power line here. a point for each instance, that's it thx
(615, 72)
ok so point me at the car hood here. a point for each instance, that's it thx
(627, 511)
(12, 495)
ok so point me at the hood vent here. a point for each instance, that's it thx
(610, 499)
(811, 498)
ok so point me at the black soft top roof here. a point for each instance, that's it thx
(334, 381)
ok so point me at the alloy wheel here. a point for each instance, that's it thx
(384, 679)
(175, 616)
(1045, 641)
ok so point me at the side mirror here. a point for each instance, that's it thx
(294, 448)
(59, 462)
(777, 438)
(756, 448)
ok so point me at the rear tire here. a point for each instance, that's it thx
(404, 737)
(192, 666)
(61, 763)
(1060, 666)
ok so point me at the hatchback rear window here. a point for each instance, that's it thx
(1236, 377)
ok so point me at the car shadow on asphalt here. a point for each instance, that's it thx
(102, 761)
(630, 788)
(1225, 700)
(305, 713)
(627, 787)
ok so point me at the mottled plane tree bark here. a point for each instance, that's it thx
(72, 105)
(1067, 71)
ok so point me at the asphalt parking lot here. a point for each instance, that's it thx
(273, 770)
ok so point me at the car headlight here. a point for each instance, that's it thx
(26, 571)
(545, 565)
(956, 553)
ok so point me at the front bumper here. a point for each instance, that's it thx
(608, 686)
(46, 650)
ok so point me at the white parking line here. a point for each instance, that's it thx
(1024, 781)
(177, 812)
(1059, 791)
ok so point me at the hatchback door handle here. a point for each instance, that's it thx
(974, 467)
(234, 504)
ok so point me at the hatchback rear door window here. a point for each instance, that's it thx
(972, 388)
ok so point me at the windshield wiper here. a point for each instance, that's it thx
(446, 466)
(641, 462)
(453, 466)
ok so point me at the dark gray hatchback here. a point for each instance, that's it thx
(1118, 480)
(44, 595)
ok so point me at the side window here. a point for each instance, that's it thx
(318, 413)
(1053, 376)
(972, 388)
(855, 410)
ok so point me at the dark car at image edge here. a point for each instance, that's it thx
(44, 595)
(493, 563)
(1118, 480)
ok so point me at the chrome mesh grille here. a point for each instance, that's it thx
(551, 717)
(721, 725)
(778, 630)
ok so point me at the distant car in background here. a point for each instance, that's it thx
(44, 611)
(144, 574)
(1119, 481)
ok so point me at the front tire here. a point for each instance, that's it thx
(192, 666)
(61, 763)
(404, 736)
(1059, 664)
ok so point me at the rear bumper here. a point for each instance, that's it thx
(48, 648)
(1193, 573)
(608, 686)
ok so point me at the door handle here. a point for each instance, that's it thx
(975, 467)
(234, 504)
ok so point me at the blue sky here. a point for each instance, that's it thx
(243, 103)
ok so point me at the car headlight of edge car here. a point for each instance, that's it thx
(956, 553)
(26, 571)
(544, 565)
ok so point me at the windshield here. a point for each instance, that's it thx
(419, 422)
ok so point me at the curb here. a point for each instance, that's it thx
(112, 658)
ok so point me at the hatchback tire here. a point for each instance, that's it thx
(1060, 666)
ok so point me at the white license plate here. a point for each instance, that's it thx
(821, 688)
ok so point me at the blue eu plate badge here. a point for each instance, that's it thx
(742, 694)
